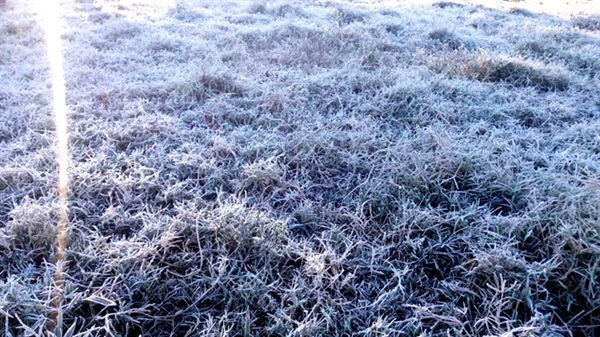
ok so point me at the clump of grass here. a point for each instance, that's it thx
(258, 7)
(31, 230)
(281, 11)
(447, 4)
(537, 48)
(289, 10)
(217, 85)
(521, 73)
(186, 13)
(589, 22)
(16, 178)
(264, 175)
(576, 59)
(522, 11)
(188, 92)
(447, 38)
(345, 16)
(511, 71)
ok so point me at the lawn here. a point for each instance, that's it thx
(302, 168)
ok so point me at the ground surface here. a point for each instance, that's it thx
(304, 168)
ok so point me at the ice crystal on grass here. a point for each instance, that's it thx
(303, 168)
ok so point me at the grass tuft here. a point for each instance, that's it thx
(505, 70)
(522, 11)
(447, 4)
(345, 16)
(447, 38)
(525, 74)
(31, 231)
(590, 22)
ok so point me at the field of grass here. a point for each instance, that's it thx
(303, 168)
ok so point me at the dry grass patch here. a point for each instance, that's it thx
(505, 70)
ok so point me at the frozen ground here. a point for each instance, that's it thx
(304, 168)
